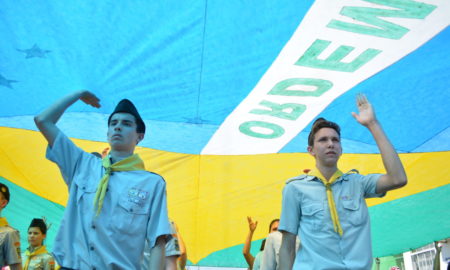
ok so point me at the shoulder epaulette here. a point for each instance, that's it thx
(156, 174)
(298, 178)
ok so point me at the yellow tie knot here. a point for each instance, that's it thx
(108, 170)
(29, 254)
(131, 163)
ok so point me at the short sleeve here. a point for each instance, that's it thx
(66, 155)
(290, 210)
(269, 254)
(172, 246)
(369, 184)
(158, 223)
(12, 251)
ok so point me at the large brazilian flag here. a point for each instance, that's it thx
(228, 91)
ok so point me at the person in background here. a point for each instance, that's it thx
(259, 256)
(175, 252)
(182, 259)
(442, 250)
(9, 237)
(255, 262)
(270, 259)
(36, 256)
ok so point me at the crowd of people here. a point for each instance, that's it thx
(116, 214)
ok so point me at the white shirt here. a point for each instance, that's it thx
(271, 258)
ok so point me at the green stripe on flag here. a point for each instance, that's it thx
(410, 222)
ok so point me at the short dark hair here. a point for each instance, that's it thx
(39, 223)
(319, 124)
(272, 222)
(263, 244)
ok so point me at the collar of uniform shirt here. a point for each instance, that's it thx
(3, 222)
(39, 250)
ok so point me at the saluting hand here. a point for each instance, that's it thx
(90, 99)
(366, 114)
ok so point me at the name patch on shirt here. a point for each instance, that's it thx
(137, 196)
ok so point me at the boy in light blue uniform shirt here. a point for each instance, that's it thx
(114, 204)
(326, 208)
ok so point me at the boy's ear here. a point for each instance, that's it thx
(140, 137)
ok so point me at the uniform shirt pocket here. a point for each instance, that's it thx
(353, 211)
(84, 190)
(131, 213)
(313, 215)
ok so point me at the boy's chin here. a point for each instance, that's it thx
(329, 162)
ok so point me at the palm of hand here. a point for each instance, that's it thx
(366, 113)
(252, 224)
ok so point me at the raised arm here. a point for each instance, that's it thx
(248, 242)
(287, 250)
(46, 120)
(395, 176)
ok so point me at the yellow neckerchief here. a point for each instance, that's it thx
(37, 251)
(131, 163)
(3, 222)
(331, 203)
